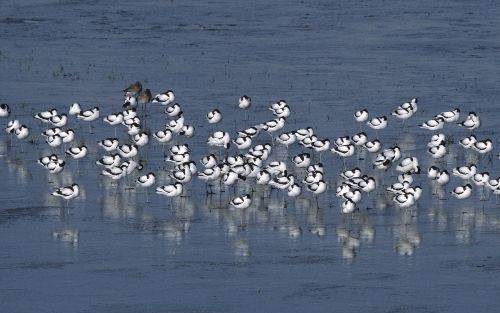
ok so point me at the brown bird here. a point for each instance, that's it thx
(145, 96)
(133, 89)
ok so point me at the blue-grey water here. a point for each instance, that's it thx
(327, 59)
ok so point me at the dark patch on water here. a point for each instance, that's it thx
(8, 215)
(308, 259)
(316, 291)
(34, 265)
(16, 20)
(374, 276)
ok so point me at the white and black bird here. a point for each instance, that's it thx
(281, 112)
(402, 113)
(115, 173)
(170, 191)
(4, 110)
(294, 190)
(89, 115)
(214, 116)
(187, 130)
(468, 142)
(361, 116)
(450, 116)
(176, 125)
(272, 126)
(163, 136)
(317, 188)
(75, 108)
(436, 140)
(359, 139)
(243, 143)
(483, 146)
(146, 181)
(348, 206)
(77, 152)
(127, 150)
(433, 124)
(286, 139)
(59, 120)
(443, 177)
(302, 160)
(303, 133)
(373, 146)
(244, 102)
(68, 192)
(249, 132)
(377, 122)
(462, 192)
(173, 110)
(67, 135)
(109, 160)
(114, 119)
(241, 202)
(141, 139)
(219, 139)
(471, 122)
(109, 144)
(22, 132)
(45, 116)
(164, 98)
(130, 102)
(45, 160)
(465, 172)
(438, 152)
(183, 176)
(209, 161)
(404, 200)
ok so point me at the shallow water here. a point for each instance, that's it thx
(327, 60)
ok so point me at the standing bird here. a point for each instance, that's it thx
(317, 188)
(133, 89)
(483, 146)
(170, 191)
(219, 139)
(361, 116)
(89, 116)
(22, 132)
(68, 192)
(130, 102)
(144, 98)
(433, 124)
(214, 117)
(471, 122)
(4, 110)
(462, 192)
(187, 130)
(242, 202)
(244, 103)
(450, 116)
(146, 181)
(75, 108)
(377, 123)
(164, 98)
(163, 136)
(77, 153)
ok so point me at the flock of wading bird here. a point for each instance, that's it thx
(251, 161)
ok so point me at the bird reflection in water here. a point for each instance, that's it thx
(70, 236)
(405, 231)
(355, 230)
(241, 247)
